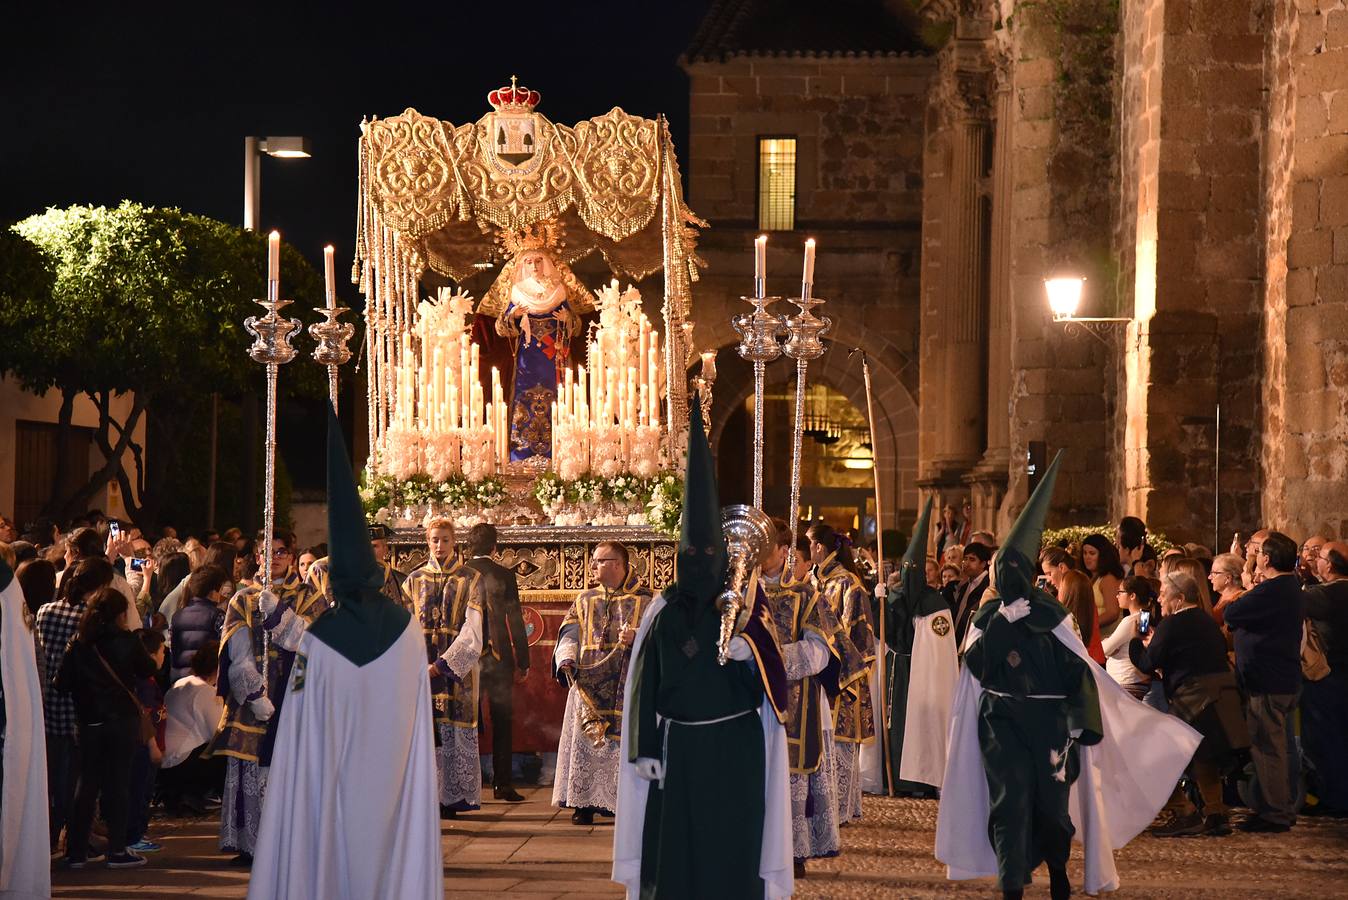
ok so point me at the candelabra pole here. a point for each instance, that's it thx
(797, 433)
(760, 369)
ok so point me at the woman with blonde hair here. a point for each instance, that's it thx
(1226, 584)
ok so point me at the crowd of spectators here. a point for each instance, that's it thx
(126, 633)
(1242, 645)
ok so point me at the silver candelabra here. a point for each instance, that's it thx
(759, 332)
(271, 347)
(331, 349)
(804, 342)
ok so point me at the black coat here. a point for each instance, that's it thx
(1265, 623)
(504, 641)
(100, 695)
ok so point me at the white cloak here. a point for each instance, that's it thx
(931, 688)
(776, 863)
(350, 809)
(1125, 779)
(25, 865)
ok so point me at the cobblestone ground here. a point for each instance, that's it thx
(529, 850)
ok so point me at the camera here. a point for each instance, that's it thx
(1143, 622)
(137, 564)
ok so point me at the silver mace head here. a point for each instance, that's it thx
(331, 336)
(272, 334)
(805, 330)
(759, 331)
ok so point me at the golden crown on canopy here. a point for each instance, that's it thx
(540, 236)
(513, 98)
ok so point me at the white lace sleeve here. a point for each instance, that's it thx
(287, 634)
(244, 678)
(568, 645)
(463, 654)
(807, 656)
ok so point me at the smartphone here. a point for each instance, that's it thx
(1043, 583)
(137, 564)
(1144, 622)
(114, 530)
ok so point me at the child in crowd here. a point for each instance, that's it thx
(145, 764)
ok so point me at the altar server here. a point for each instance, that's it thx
(922, 670)
(445, 595)
(594, 648)
(263, 625)
(25, 871)
(807, 633)
(703, 792)
(350, 809)
(1044, 744)
(843, 592)
(392, 585)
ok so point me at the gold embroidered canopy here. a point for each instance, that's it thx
(440, 196)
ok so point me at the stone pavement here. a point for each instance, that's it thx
(530, 850)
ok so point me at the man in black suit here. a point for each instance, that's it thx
(505, 651)
(969, 594)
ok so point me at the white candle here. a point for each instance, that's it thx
(808, 278)
(330, 277)
(761, 257)
(274, 256)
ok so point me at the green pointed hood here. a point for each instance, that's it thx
(703, 560)
(1016, 565)
(362, 622)
(912, 593)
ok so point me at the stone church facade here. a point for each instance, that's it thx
(1187, 158)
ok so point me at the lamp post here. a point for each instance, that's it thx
(289, 147)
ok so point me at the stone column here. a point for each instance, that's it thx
(964, 313)
(988, 481)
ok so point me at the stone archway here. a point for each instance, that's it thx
(896, 424)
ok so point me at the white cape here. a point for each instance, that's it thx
(1125, 779)
(25, 864)
(350, 809)
(776, 863)
(931, 688)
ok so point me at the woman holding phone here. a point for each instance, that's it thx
(1142, 613)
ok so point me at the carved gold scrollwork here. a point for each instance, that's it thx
(617, 166)
(414, 182)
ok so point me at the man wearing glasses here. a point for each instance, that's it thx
(264, 614)
(594, 647)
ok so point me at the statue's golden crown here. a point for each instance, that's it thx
(542, 236)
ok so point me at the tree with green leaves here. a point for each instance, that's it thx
(139, 301)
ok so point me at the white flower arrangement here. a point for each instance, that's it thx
(665, 508)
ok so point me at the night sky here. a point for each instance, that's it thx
(151, 103)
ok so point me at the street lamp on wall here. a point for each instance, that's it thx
(1064, 299)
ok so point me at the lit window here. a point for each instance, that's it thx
(776, 184)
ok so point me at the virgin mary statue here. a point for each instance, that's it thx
(538, 303)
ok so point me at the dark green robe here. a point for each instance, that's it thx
(1029, 757)
(703, 831)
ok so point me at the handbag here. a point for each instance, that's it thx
(1314, 663)
(148, 731)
